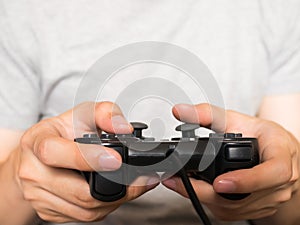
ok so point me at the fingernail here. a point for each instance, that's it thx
(170, 183)
(225, 186)
(119, 122)
(109, 162)
(183, 107)
(187, 112)
(152, 181)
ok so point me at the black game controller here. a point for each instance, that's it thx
(201, 158)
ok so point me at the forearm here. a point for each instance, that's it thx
(284, 110)
(14, 209)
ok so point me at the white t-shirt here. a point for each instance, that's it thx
(251, 47)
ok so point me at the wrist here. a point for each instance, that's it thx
(12, 194)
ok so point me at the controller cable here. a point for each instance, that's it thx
(193, 197)
(192, 194)
(191, 191)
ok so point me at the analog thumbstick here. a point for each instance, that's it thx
(188, 129)
(138, 127)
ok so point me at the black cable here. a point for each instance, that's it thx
(194, 199)
(189, 189)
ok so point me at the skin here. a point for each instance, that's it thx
(273, 183)
(38, 171)
(36, 164)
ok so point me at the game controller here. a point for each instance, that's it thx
(202, 158)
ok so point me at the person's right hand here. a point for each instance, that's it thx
(47, 156)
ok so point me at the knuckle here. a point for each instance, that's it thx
(107, 106)
(205, 106)
(85, 200)
(284, 196)
(294, 177)
(81, 159)
(24, 173)
(45, 217)
(267, 212)
(27, 196)
(101, 105)
(50, 218)
(285, 173)
(90, 216)
(25, 142)
(42, 152)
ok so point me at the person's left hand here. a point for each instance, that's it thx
(272, 182)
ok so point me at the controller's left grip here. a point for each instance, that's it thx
(104, 188)
(109, 186)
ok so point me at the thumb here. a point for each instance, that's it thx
(95, 116)
(206, 115)
(109, 118)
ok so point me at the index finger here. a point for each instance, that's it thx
(46, 143)
(92, 117)
(269, 174)
(59, 152)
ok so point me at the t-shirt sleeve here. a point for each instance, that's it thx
(19, 84)
(282, 40)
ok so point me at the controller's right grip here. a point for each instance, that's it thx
(238, 196)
